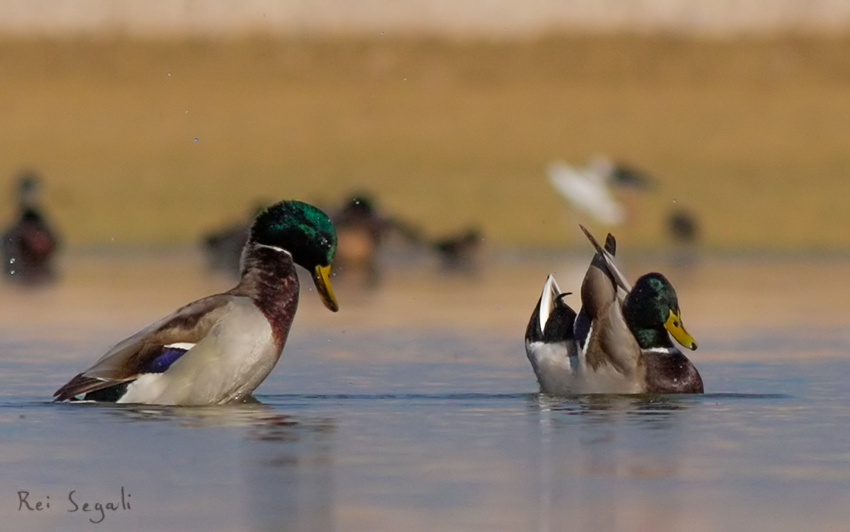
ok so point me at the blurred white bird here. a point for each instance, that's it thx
(587, 190)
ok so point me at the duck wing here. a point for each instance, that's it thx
(601, 329)
(603, 279)
(610, 341)
(152, 349)
(606, 256)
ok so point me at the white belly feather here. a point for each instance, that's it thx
(226, 365)
(558, 374)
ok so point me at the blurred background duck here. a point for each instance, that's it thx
(620, 340)
(461, 251)
(362, 230)
(29, 243)
(620, 174)
(223, 247)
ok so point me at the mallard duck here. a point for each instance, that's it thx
(220, 348)
(619, 342)
(29, 245)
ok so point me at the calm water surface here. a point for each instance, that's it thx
(414, 408)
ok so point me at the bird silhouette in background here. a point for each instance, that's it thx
(460, 252)
(29, 244)
(223, 247)
(361, 230)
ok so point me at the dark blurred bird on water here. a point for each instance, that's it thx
(361, 231)
(683, 226)
(223, 246)
(29, 244)
(460, 251)
(620, 174)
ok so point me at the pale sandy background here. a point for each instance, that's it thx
(492, 18)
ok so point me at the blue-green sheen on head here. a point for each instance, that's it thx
(650, 301)
(652, 310)
(301, 229)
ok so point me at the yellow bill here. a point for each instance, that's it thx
(675, 327)
(322, 280)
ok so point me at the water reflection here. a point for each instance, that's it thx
(284, 463)
(288, 470)
(585, 440)
(630, 405)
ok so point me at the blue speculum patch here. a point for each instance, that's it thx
(164, 360)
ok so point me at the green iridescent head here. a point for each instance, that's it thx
(307, 234)
(652, 310)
